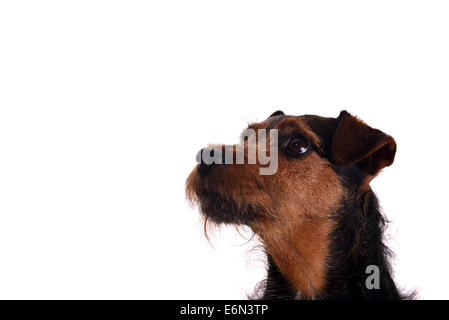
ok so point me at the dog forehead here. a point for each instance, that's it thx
(285, 124)
(276, 122)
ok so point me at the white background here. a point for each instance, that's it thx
(104, 104)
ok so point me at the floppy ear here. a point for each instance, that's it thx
(355, 142)
(277, 113)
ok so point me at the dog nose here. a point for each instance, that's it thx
(205, 167)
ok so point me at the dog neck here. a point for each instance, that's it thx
(299, 251)
(326, 258)
(357, 244)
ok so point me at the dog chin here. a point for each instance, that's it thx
(217, 207)
(223, 211)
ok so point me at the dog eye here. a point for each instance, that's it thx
(298, 146)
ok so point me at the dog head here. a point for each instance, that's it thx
(314, 154)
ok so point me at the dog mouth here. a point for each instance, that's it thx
(218, 202)
(223, 210)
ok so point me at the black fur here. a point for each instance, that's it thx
(276, 287)
(226, 211)
(357, 242)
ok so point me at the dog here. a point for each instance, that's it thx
(317, 216)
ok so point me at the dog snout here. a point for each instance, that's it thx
(206, 160)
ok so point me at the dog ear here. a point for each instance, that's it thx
(277, 113)
(355, 142)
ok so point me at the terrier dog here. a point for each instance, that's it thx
(317, 216)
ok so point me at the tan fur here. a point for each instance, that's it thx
(298, 236)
